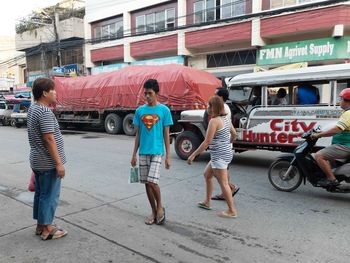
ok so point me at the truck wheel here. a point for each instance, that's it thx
(128, 126)
(186, 143)
(113, 123)
(18, 125)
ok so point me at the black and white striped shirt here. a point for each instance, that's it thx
(41, 120)
(221, 147)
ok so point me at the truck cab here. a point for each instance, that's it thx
(267, 125)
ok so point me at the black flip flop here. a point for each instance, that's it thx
(161, 221)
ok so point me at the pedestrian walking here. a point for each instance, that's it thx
(219, 136)
(152, 122)
(47, 158)
(224, 94)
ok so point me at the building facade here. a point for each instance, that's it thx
(225, 37)
(54, 47)
(12, 65)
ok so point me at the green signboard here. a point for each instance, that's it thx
(303, 51)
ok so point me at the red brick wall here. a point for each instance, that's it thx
(218, 35)
(319, 19)
(108, 53)
(152, 46)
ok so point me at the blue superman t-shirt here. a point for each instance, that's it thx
(151, 122)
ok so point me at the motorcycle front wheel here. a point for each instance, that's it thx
(284, 176)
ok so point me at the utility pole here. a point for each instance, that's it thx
(56, 23)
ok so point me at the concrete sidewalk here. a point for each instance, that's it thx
(18, 243)
(103, 232)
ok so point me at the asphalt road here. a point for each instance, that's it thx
(104, 214)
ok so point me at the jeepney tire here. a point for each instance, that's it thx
(113, 123)
(186, 143)
(17, 125)
(128, 126)
(6, 122)
(276, 172)
(13, 123)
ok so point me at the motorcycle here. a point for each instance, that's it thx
(290, 170)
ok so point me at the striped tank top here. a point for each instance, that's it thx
(220, 147)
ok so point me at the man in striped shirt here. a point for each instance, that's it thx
(47, 158)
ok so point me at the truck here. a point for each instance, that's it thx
(110, 99)
(272, 127)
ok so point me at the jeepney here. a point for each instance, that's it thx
(272, 127)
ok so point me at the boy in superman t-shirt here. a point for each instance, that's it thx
(152, 122)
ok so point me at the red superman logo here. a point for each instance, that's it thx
(149, 120)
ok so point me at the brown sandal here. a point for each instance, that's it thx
(54, 234)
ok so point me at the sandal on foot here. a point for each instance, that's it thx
(218, 197)
(39, 230)
(235, 191)
(150, 221)
(54, 234)
(224, 214)
(161, 220)
(203, 206)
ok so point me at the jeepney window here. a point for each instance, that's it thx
(340, 87)
(239, 93)
(2, 106)
(10, 106)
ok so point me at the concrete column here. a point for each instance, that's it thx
(256, 39)
(127, 53)
(87, 47)
(181, 12)
(181, 44)
(127, 31)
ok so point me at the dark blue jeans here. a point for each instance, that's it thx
(47, 193)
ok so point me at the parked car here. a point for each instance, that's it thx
(5, 112)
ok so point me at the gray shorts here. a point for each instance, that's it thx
(335, 151)
(149, 168)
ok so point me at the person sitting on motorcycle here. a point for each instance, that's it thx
(340, 148)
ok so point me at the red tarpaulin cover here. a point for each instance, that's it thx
(181, 88)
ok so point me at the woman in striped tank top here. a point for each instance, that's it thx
(219, 136)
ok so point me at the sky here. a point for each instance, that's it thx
(13, 10)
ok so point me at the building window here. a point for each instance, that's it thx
(243, 57)
(204, 11)
(160, 18)
(156, 22)
(170, 18)
(150, 23)
(285, 3)
(232, 8)
(140, 24)
(108, 31)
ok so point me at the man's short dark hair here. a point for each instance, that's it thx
(40, 85)
(223, 93)
(151, 84)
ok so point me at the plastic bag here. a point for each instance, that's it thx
(134, 175)
(31, 186)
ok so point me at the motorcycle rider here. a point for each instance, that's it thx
(340, 148)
